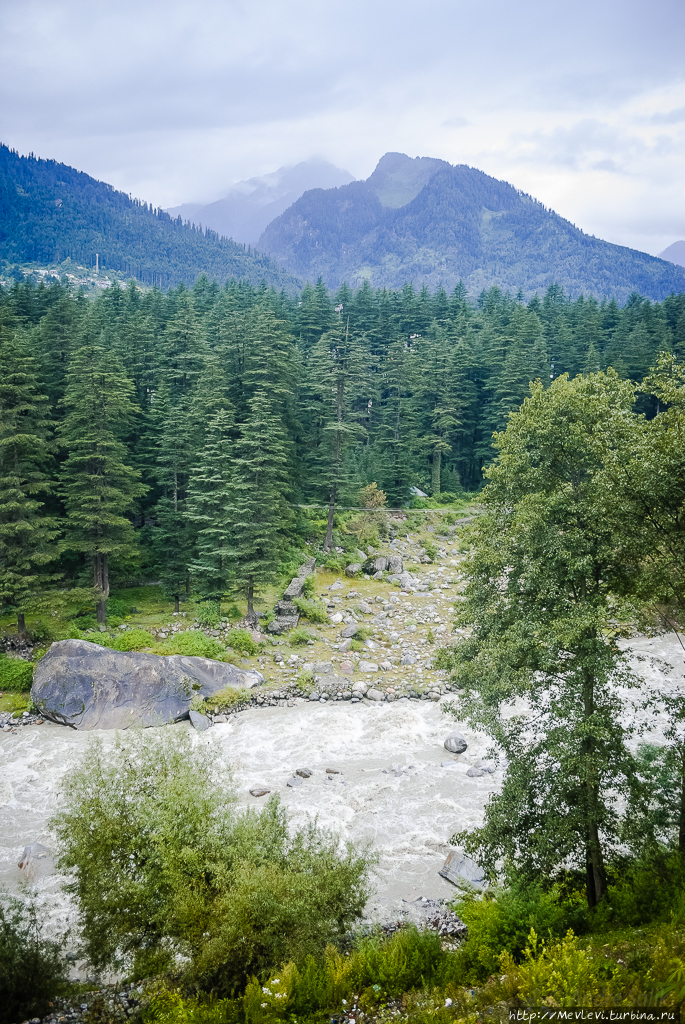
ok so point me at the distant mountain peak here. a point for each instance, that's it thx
(674, 253)
(397, 178)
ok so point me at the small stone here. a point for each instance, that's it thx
(349, 631)
(368, 666)
(333, 771)
(407, 659)
(304, 773)
(365, 608)
(475, 773)
(345, 646)
(374, 694)
(346, 667)
(455, 743)
(386, 666)
(335, 618)
(199, 721)
(353, 569)
(294, 782)
(259, 791)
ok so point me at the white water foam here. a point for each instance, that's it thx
(408, 818)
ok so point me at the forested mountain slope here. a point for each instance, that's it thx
(428, 222)
(49, 211)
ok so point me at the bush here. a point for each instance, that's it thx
(300, 636)
(228, 698)
(163, 864)
(15, 674)
(193, 644)
(312, 610)
(431, 550)
(209, 614)
(308, 589)
(32, 969)
(241, 640)
(131, 640)
(117, 609)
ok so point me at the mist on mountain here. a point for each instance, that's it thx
(674, 253)
(247, 208)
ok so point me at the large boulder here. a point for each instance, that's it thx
(91, 687)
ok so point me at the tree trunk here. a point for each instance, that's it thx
(329, 528)
(21, 624)
(101, 583)
(251, 617)
(437, 465)
(176, 603)
(681, 828)
(595, 871)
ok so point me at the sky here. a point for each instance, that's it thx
(580, 104)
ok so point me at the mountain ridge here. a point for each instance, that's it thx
(460, 225)
(50, 211)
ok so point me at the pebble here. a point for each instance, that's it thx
(259, 791)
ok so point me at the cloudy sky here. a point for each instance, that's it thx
(581, 104)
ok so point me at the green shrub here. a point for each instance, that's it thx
(431, 550)
(117, 609)
(234, 612)
(501, 919)
(241, 640)
(209, 614)
(228, 698)
(312, 610)
(308, 589)
(131, 640)
(15, 674)
(356, 645)
(32, 968)
(163, 864)
(300, 636)
(193, 644)
(335, 563)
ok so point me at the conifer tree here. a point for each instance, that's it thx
(97, 482)
(336, 381)
(27, 533)
(208, 488)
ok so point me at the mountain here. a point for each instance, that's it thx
(49, 211)
(250, 205)
(426, 221)
(674, 253)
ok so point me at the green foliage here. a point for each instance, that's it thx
(241, 640)
(431, 549)
(209, 614)
(335, 563)
(163, 863)
(312, 610)
(308, 589)
(131, 640)
(32, 968)
(193, 644)
(300, 636)
(117, 608)
(15, 674)
(228, 698)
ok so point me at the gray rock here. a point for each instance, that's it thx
(360, 555)
(86, 686)
(353, 569)
(381, 563)
(307, 568)
(365, 607)
(285, 608)
(455, 743)
(368, 666)
(345, 645)
(476, 773)
(374, 694)
(304, 773)
(407, 580)
(282, 623)
(459, 869)
(294, 589)
(294, 782)
(259, 791)
(36, 861)
(199, 721)
(377, 576)
(487, 766)
(407, 659)
(323, 668)
(349, 631)
(395, 564)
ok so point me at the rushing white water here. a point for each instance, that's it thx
(408, 818)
